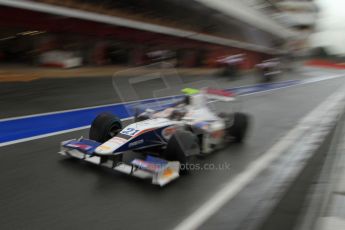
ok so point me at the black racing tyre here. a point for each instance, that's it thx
(181, 146)
(104, 127)
(239, 126)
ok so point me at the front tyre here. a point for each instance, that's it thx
(181, 146)
(104, 127)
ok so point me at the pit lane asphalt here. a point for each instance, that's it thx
(46, 95)
(54, 94)
(42, 190)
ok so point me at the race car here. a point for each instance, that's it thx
(166, 139)
(269, 69)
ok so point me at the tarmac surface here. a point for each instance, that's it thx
(42, 190)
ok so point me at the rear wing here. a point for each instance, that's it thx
(219, 95)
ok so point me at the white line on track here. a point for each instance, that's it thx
(312, 80)
(50, 134)
(308, 81)
(235, 185)
(80, 109)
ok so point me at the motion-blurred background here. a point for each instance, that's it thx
(62, 62)
(197, 33)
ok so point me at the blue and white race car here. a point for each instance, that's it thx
(166, 139)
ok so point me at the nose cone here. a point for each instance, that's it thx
(103, 150)
(109, 147)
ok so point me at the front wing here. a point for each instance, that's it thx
(160, 171)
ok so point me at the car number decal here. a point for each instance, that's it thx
(130, 131)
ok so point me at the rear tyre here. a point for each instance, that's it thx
(181, 146)
(238, 129)
(104, 127)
